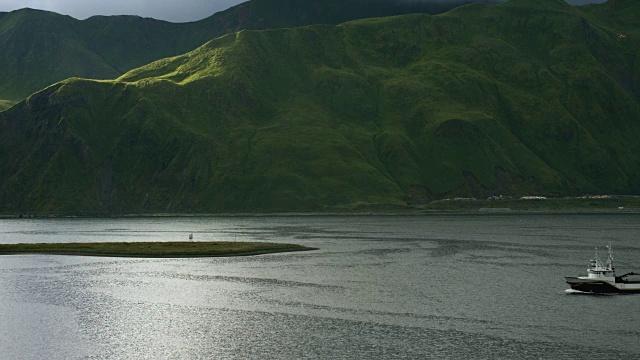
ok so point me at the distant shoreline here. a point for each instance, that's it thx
(480, 212)
(531, 205)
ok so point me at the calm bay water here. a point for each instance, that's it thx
(473, 287)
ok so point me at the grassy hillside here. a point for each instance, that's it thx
(39, 48)
(5, 104)
(527, 97)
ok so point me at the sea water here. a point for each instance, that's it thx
(382, 287)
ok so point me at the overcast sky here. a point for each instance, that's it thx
(171, 10)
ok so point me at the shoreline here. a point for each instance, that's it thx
(153, 250)
(425, 212)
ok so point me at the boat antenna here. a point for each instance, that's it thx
(610, 256)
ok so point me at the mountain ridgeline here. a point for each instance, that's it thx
(39, 48)
(526, 97)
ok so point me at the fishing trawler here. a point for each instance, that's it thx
(601, 279)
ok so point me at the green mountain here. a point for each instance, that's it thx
(39, 48)
(526, 97)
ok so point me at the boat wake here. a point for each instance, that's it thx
(572, 291)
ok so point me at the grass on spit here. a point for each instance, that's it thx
(153, 249)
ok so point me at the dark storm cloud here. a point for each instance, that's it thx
(172, 10)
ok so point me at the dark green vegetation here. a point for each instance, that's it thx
(153, 249)
(5, 104)
(531, 97)
(560, 204)
(38, 48)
